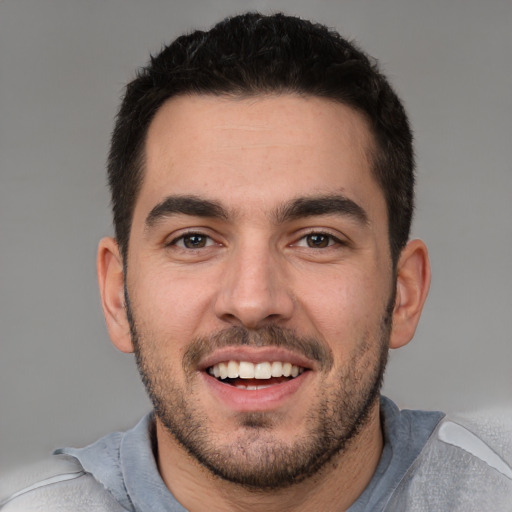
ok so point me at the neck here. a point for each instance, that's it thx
(334, 488)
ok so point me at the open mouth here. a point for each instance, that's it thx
(254, 376)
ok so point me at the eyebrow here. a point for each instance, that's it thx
(295, 209)
(321, 205)
(185, 205)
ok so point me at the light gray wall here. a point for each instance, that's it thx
(62, 67)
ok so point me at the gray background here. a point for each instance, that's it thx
(63, 64)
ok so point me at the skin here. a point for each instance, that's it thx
(253, 157)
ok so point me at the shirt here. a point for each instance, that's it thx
(429, 463)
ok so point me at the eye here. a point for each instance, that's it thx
(318, 241)
(192, 241)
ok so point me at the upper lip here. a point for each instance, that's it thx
(256, 355)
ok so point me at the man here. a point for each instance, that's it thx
(262, 189)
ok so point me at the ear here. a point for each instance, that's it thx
(413, 282)
(111, 283)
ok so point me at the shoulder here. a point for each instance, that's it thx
(56, 483)
(493, 427)
(465, 466)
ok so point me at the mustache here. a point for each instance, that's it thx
(267, 336)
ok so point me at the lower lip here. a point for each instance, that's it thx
(264, 399)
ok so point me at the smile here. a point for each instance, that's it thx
(244, 374)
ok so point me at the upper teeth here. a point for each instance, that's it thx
(247, 370)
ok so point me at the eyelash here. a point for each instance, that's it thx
(332, 240)
(189, 235)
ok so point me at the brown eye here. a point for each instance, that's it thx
(195, 241)
(318, 240)
(192, 241)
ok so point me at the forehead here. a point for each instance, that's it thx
(258, 150)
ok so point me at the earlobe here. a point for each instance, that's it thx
(111, 284)
(413, 282)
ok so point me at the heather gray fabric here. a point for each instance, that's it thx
(56, 484)
(405, 435)
(454, 470)
(429, 464)
(124, 463)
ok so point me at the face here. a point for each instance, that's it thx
(259, 283)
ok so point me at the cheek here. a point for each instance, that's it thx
(345, 307)
(171, 305)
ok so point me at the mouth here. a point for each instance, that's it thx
(250, 379)
(254, 376)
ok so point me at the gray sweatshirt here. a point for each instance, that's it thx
(429, 464)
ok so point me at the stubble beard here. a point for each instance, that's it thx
(254, 457)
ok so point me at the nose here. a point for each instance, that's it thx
(255, 290)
